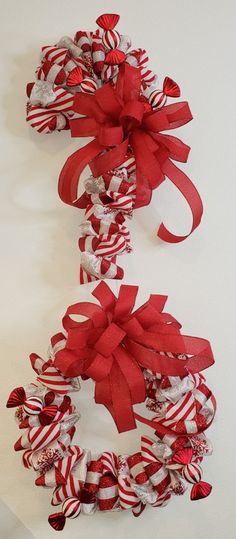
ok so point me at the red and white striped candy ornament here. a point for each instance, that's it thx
(88, 85)
(71, 508)
(98, 56)
(111, 39)
(51, 72)
(33, 406)
(192, 472)
(158, 98)
(148, 77)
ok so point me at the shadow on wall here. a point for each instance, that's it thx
(11, 526)
(34, 198)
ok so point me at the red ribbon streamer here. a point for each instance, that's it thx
(116, 118)
(115, 344)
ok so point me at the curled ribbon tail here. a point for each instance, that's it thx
(191, 195)
(72, 170)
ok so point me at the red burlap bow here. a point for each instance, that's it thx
(114, 345)
(117, 117)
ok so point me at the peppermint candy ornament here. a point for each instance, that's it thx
(192, 473)
(111, 39)
(33, 406)
(71, 507)
(158, 98)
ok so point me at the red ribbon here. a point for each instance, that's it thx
(117, 119)
(114, 345)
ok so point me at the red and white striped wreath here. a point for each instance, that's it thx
(132, 356)
(70, 82)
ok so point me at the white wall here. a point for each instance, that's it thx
(192, 41)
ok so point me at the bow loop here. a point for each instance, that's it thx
(118, 119)
(87, 105)
(132, 115)
(116, 343)
(109, 101)
(110, 136)
(110, 340)
(128, 84)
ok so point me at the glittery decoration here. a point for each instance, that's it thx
(42, 93)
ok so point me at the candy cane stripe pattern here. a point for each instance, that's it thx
(180, 405)
(88, 85)
(33, 406)
(97, 87)
(110, 199)
(111, 39)
(98, 63)
(55, 54)
(51, 72)
(71, 507)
